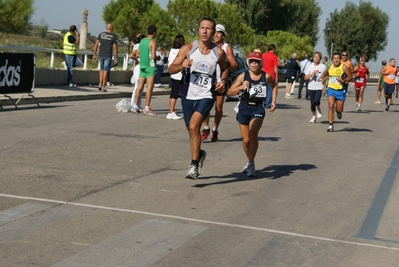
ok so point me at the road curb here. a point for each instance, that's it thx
(26, 100)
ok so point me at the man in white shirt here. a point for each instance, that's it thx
(159, 66)
(303, 64)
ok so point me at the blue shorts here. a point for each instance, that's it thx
(389, 88)
(105, 63)
(339, 95)
(202, 106)
(247, 112)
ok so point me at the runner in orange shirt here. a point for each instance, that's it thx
(345, 60)
(389, 73)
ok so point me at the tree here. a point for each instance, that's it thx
(39, 30)
(239, 34)
(131, 17)
(287, 43)
(163, 21)
(296, 16)
(188, 13)
(126, 16)
(360, 30)
(15, 15)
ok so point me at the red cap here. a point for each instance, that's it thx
(254, 55)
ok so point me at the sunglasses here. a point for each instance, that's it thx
(344, 55)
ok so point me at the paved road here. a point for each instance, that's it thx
(84, 185)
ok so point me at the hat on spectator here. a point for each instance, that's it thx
(220, 28)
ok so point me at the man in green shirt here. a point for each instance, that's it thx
(147, 51)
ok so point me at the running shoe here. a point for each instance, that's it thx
(318, 113)
(192, 172)
(136, 110)
(173, 116)
(330, 129)
(339, 115)
(214, 136)
(205, 134)
(245, 169)
(251, 172)
(359, 108)
(149, 111)
(287, 96)
(201, 161)
(377, 102)
(72, 85)
(313, 119)
(387, 108)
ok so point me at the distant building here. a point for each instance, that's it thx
(55, 31)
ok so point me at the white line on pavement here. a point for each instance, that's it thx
(202, 221)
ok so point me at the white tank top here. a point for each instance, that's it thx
(218, 72)
(202, 73)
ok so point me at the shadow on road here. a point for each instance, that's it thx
(285, 106)
(260, 138)
(350, 129)
(270, 172)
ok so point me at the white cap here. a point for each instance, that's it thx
(220, 28)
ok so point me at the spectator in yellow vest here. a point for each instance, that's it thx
(71, 40)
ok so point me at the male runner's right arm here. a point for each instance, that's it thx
(95, 50)
(181, 61)
(325, 74)
(380, 75)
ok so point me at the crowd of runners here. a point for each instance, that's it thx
(199, 76)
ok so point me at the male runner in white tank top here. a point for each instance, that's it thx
(198, 60)
(218, 39)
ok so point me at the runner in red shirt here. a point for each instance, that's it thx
(361, 72)
(270, 66)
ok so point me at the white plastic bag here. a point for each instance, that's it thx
(123, 106)
(236, 108)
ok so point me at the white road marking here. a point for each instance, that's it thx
(262, 229)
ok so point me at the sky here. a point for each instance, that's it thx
(60, 14)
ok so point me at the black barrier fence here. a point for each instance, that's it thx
(17, 75)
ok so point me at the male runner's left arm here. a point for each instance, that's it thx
(221, 86)
(153, 48)
(232, 63)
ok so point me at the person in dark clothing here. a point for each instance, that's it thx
(303, 64)
(291, 73)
